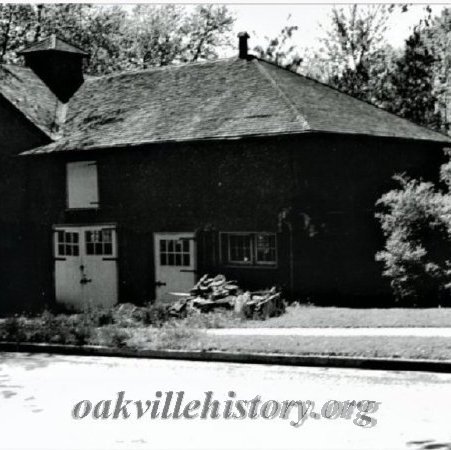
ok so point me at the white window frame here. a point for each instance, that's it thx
(254, 263)
(71, 194)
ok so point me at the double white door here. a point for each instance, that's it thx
(86, 266)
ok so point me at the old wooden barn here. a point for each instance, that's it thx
(128, 187)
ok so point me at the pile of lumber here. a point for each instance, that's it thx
(216, 292)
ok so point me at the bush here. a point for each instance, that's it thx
(213, 319)
(156, 315)
(113, 336)
(11, 330)
(416, 221)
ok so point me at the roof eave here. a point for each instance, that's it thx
(103, 147)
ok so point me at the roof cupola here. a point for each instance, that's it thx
(58, 64)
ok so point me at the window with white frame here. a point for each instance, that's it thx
(99, 242)
(82, 185)
(67, 243)
(252, 249)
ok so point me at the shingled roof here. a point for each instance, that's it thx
(224, 99)
(52, 43)
(22, 88)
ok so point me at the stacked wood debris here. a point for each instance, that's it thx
(214, 293)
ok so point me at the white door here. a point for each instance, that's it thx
(175, 264)
(86, 266)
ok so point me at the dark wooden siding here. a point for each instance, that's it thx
(331, 181)
(16, 135)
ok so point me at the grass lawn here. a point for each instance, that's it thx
(315, 316)
(393, 347)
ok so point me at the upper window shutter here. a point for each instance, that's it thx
(82, 185)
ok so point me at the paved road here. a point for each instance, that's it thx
(38, 393)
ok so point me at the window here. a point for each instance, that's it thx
(265, 248)
(240, 248)
(174, 252)
(99, 242)
(67, 243)
(82, 188)
(253, 249)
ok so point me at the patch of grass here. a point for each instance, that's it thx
(213, 319)
(393, 347)
(171, 336)
(304, 316)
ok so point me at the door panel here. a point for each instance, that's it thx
(67, 265)
(175, 264)
(86, 266)
(99, 285)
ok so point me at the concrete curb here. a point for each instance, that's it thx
(241, 358)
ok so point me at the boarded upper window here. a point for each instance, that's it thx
(82, 186)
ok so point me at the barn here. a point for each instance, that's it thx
(130, 186)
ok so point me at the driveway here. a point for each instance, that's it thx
(38, 393)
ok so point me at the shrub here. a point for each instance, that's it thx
(416, 221)
(213, 319)
(11, 330)
(113, 336)
(156, 315)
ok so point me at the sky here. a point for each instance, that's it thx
(268, 20)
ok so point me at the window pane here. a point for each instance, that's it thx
(89, 248)
(186, 245)
(240, 248)
(106, 235)
(171, 259)
(178, 259)
(61, 250)
(108, 249)
(163, 245)
(265, 248)
(98, 249)
(75, 237)
(186, 260)
(163, 259)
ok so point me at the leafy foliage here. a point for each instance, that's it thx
(416, 221)
(281, 50)
(412, 84)
(437, 37)
(16, 25)
(151, 35)
(352, 47)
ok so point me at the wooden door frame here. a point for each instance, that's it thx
(59, 226)
(156, 254)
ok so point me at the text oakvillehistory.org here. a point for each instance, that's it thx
(173, 405)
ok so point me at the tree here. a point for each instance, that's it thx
(437, 37)
(412, 84)
(95, 29)
(16, 22)
(281, 50)
(169, 34)
(416, 221)
(208, 29)
(115, 39)
(353, 45)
